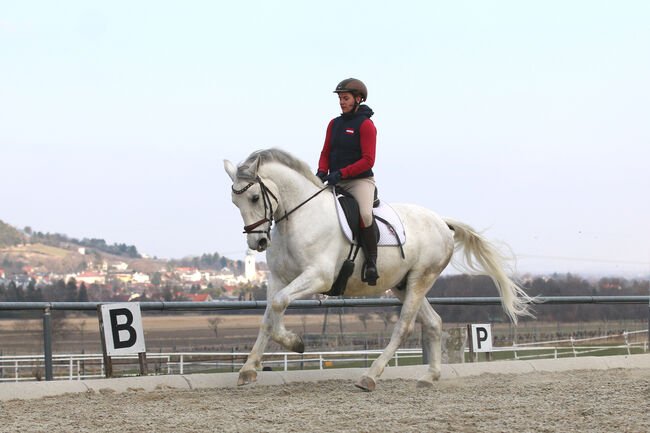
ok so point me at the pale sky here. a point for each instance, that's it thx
(527, 119)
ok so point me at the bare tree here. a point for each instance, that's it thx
(213, 323)
(364, 318)
(388, 317)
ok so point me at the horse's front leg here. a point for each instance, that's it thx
(310, 282)
(248, 372)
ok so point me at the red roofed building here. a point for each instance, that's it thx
(90, 278)
(205, 297)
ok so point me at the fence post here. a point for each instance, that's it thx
(575, 355)
(366, 349)
(47, 342)
(232, 364)
(425, 349)
(473, 356)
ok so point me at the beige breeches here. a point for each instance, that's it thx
(364, 191)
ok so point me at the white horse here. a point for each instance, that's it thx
(306, 251)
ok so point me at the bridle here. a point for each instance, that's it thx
(267, 194)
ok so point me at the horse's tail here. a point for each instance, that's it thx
(483, 257)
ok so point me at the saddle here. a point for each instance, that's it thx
(389, 231)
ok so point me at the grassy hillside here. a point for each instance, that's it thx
(9, 235)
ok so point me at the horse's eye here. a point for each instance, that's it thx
(255, 198)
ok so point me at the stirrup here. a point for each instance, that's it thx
(367, 274)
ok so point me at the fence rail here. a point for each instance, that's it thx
(47, 308)
(88, 366)
(319, 303)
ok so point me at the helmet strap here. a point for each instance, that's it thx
(356, 103)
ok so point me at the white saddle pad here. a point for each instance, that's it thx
(386, 236)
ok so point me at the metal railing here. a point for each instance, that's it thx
(17, 368)
(47, 308)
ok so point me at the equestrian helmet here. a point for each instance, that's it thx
(354, 86)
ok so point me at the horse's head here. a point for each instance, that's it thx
(256, 200)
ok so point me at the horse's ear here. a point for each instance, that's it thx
(255, 166)
(230, 169)
(249, 171)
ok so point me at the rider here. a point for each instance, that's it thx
(347, 159)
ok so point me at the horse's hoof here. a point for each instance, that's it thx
(366, 384)
(424, 384)
(299, 347)
(246, 377)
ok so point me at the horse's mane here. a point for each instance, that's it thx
(276, 155)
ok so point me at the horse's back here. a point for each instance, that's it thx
(427, 235)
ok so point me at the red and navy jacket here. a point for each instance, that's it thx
(350, 145)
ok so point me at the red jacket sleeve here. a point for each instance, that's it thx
(324, 161)
(368, 135)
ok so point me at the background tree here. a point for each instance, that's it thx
(71, 292)
(15, 293)
(388, 317)
(364, 318)
(156, 278)
(213, 323)
(83, 293)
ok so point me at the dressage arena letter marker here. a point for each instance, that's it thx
(120, 328)
(482, 338)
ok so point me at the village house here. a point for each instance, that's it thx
(89, 278)
(139, 277)
(189, 275)
(204, 297)
(120, 266)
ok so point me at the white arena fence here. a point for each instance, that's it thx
(88, 366)
(48, 359)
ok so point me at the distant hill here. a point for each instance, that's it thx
(9, 235)
(59, 253)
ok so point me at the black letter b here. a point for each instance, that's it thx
(115, 328)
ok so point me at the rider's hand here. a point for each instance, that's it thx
(322, 175)
(334, 177)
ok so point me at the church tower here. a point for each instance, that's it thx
(249, 265)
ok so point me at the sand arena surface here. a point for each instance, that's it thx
(580, 400)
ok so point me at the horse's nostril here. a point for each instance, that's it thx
(261, 245)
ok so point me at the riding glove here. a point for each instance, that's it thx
(334, 177)
(322, 176)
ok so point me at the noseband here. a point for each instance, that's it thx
(268, 206)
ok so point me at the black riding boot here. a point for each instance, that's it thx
(369, 241)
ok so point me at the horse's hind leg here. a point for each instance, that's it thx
(415, 290)
(432, 334)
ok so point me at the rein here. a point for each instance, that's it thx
(268, 206)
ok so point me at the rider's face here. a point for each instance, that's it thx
(346, 101)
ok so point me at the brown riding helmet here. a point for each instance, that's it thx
(354, 86)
